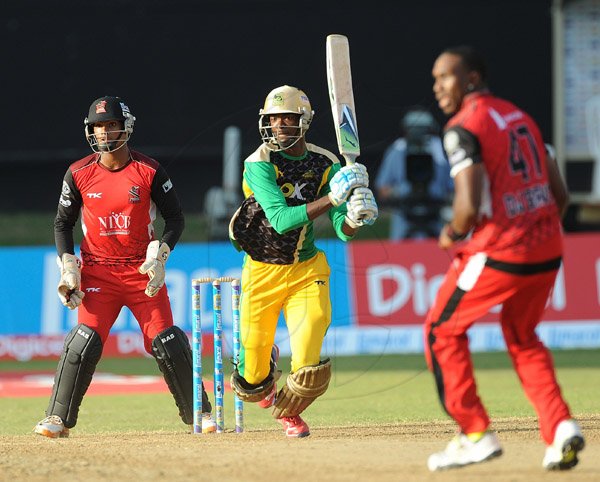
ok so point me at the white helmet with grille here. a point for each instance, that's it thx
(284, 100)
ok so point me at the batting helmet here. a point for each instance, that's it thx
(284, 100)
(105, 109)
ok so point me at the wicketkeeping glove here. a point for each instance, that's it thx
(362, 208)
(157, 254)
(345, 180)
(69, 286)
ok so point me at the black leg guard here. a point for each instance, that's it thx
(81, 353)
(171, 349)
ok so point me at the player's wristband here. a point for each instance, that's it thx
(453, 235)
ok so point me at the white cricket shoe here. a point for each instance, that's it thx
(52, 427)
(208, 423)
(461, 451)
(562, 454)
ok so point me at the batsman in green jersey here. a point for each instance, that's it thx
(287, 184)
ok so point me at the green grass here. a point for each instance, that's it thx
(363, 390)
(27, 229)
(34, 229)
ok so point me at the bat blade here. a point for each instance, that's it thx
(341, 96)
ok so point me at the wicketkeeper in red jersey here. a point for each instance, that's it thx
(509, 198)
(118, 192)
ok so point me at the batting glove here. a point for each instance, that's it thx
(362, 208)
(345, 180)
(157, 254)
(69, 286)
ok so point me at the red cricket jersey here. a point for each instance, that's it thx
(118, 208)
(519, 219)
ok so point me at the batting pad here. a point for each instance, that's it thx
(301, 389)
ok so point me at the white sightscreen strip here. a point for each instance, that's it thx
(581, 51)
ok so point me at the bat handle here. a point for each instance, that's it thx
(349, 159)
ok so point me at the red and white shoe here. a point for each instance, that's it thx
(269, 400)
(294, 426)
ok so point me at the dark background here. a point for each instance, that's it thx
(188, 69)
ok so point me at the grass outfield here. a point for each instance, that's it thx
(36, 228)
(365, 390)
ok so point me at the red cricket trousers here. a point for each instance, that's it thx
(473, 285)
(108, 288)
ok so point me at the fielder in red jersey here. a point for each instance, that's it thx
(509, 198)
(118, 192)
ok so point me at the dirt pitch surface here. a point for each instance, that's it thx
(378, 453)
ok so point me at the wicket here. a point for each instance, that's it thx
(219, 386)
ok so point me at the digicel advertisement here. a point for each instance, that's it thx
(380, 294)
(395, 283)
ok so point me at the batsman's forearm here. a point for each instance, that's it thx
(349, 230)
(318, 207)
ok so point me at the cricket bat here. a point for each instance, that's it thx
(341, 95)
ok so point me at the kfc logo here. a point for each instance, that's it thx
(101, 107)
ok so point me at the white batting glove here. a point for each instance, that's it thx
(69, 286)
(157, 254)
(362, 208)
(345, 180)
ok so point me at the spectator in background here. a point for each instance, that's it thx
(414, 178)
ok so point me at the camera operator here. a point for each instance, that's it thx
(414, 180)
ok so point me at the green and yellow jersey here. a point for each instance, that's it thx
(272, 224)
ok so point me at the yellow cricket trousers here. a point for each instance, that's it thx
(301, 290)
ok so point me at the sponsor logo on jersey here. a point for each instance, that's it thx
(308, 175)
(293, 191)
(167, 185)
(101, 107)
(66, 190)
(134, 194)
(94, 195)
(115, 223)
(64, 202)
(93, 290)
